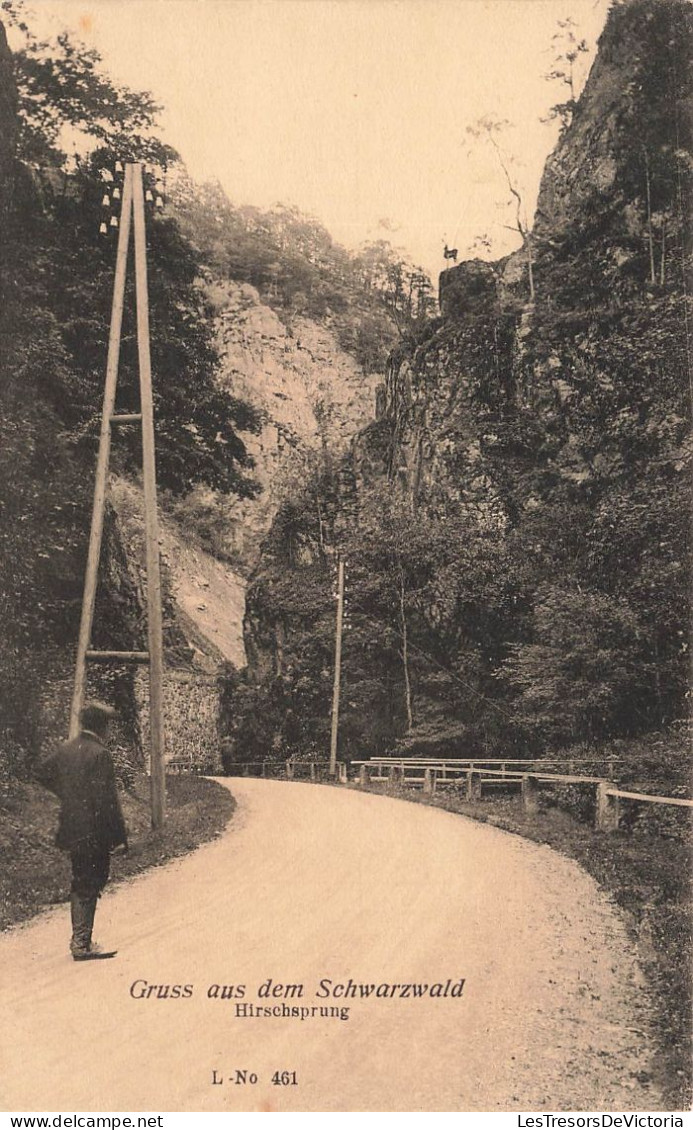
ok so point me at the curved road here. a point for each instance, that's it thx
(313, 883)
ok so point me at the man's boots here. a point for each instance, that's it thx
(82, 912)
(81, 946)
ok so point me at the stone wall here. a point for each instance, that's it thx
(191, 718)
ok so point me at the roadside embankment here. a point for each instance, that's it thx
(34, 874)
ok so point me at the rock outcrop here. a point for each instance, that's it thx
(313, 398)
(611, 230)
(550, 425)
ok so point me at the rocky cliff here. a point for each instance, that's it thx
(611, 233)
(313, 398)
(539, 445)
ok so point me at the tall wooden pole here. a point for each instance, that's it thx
(154, 625)
(337, 670)
(98, 509)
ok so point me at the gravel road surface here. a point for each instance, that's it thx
(312, 885)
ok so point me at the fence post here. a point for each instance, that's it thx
(312, 770)
(364, 775)
(342, 772)
(428, 782)
(289, 771)
(608, 809)
(530, 794)
(395, 775)
(473, 785)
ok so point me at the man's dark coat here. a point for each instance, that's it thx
(81, 774)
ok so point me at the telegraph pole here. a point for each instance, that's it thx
(337, 669)
(154, 616)
(101, 480)
(132, 215)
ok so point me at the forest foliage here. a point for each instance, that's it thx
(371, 297)
(72, 124)
(534, 599)
(530, 592)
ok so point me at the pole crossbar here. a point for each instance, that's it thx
(117, 656)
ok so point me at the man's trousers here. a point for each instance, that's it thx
(90, 868)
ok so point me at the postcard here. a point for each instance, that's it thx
(345, 432)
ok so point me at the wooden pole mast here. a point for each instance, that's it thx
(337, 669)
(132, 206)
(96, 535)
(154, 625)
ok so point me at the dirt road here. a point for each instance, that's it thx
(309, 885)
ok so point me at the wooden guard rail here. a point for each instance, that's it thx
(472, 774)
(607, 800)
(453, 766)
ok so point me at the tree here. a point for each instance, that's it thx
(581, 677)
(387, 546)
(568, 48)
(489, 129)
(402, 289)
(60, 270)
(656, 136)
(435, 590)
(370, 298)
(66, 97)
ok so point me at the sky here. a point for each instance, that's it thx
(356, 111)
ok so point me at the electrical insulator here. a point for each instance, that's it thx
(159, 186)
(116, 194)
(114, 221)
(148, 195)
(159, 202)
(119, 166)
(103, 229)
(106, 202)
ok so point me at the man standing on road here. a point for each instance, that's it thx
(91, 823)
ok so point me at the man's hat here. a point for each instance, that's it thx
(96, 713)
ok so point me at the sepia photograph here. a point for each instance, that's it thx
(345, 592)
